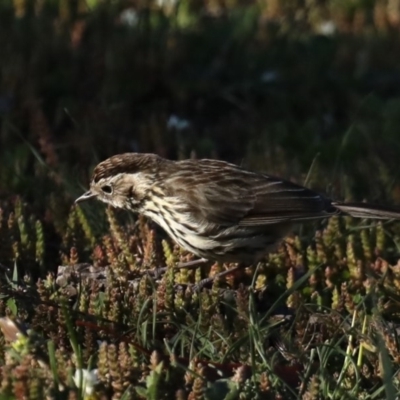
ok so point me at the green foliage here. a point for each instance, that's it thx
(152, 390)
(235, 340)
(263, 84)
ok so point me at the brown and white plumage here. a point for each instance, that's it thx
(215, 209)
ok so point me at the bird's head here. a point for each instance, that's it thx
(123, 180)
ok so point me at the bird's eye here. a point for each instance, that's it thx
(107, 189)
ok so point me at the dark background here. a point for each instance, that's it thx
(309, 90)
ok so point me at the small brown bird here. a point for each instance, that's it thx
(216, 210)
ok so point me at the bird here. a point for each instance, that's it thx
(216, 210)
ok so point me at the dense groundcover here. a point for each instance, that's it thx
(308, 90)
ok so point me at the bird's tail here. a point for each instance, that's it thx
(364, 210)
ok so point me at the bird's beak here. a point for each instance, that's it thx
(86, 196)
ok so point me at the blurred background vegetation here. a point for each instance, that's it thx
(308, 90)
(275, 85)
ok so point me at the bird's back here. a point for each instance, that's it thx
(220, 211)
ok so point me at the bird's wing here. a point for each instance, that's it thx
(225, 194)
(277, 200)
